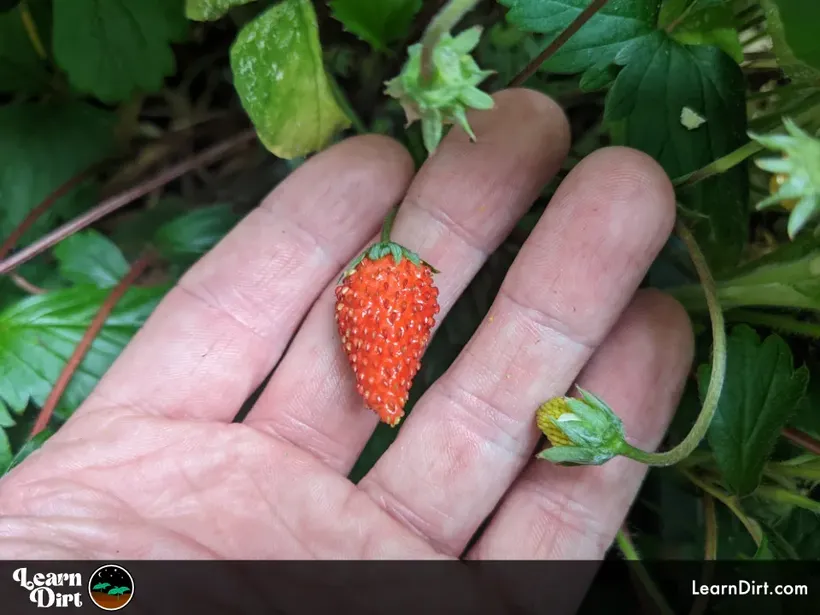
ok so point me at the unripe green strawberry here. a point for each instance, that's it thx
(452, 89)
(385, 312)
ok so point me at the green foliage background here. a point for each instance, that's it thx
(133, 86)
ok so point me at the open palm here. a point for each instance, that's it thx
(153, 466)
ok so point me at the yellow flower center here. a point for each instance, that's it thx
(775, 183)
(553, 408)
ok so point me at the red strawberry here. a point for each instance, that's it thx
(385, 309)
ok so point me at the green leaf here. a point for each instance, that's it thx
(90, 257)
(116, 48)
(5, 450)
(377, 23)
(789, 276)
(192, 234)
(802, 529)
(594, 47)
(792, 25)
(210, 10)
(760, 394)
(39, 333)
(506, 49)
(27, 449)
(807, 418)
(659, 80)
(278, 72)
(702, 22)
(21, 69)
(41, 147)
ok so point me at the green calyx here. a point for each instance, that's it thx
(595, 432)
(800, 166)
(450, 90)
(388, 248)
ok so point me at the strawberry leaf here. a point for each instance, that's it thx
(28, 447)
(192, 234)
(279, 75)
(210, 10)
(792, 24)
(660, 78)
(41, 147)
(90, 258)
(593, 48)
(760, 395)
(702, 22)
(5, 449)
(39, 333)
(377, 23)
(115, 48)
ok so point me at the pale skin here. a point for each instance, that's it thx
(151, 465)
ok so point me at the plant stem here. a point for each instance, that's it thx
(778, 477)
(23, 284)
(124, 198)
(801, 439)
(684, 14)
(631, 554)
(783, 90)
(710, 546)
(785, 324)
(31, 30)
(444, 21)
(729, 502)
(136, 270)
(583, 17)
(720, 165)
(387, 227)
(809, 471)
(43, 207)
(800, 111)
(710, 518)
(710, 401)
(784, 496)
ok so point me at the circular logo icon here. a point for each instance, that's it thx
(111, 587)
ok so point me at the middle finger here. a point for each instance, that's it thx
(473, 431)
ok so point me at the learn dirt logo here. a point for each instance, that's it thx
(111, 587)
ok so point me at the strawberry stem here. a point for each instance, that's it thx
(712, 396)
(444, 21)
(387, 227)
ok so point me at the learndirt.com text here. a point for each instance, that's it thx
(748, 588)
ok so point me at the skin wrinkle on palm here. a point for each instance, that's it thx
(283, 470)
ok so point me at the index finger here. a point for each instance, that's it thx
(223, 327)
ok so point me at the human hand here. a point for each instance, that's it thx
(152, 466)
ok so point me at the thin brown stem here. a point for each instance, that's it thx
(802, 440)
(124, 198)
(136, 270)
(710, 552)
(23, 284)
(585, 15)
(34, 215)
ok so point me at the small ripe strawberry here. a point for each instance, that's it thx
(385, 310)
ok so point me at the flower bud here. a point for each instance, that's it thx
(450, 91)
(796, 180)
(581, 431)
